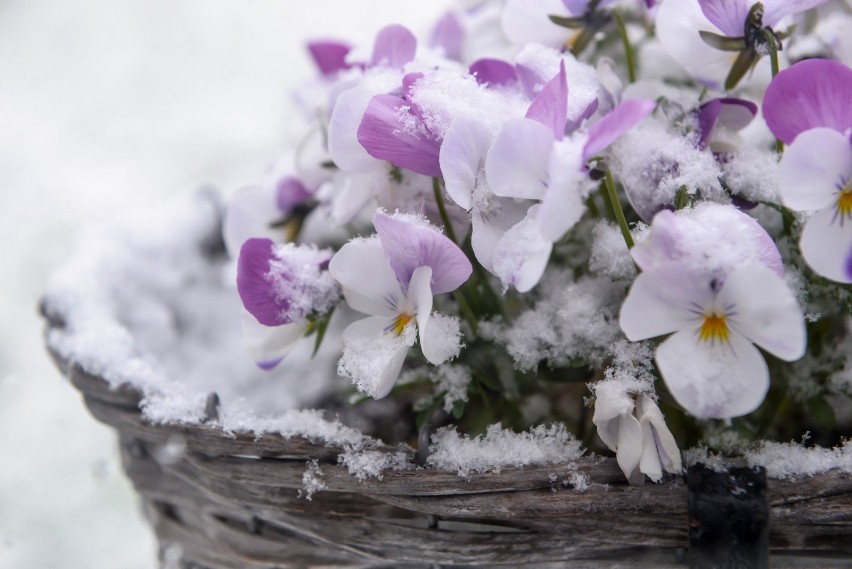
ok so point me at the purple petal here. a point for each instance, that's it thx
(849, 264)
(269, 365)
(728, 15)
(408, 82)
(572, 125)
(386, 135)
(448, 35)
(810, 94)
(580, 7)
(329, 56)
(411, 244)
(255, 289)
(289, 193)
(493, 72)
(550, 107)
(607, 130)
(775, 10)
(733, 114)
(395, 46)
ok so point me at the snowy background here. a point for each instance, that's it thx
(108, 105)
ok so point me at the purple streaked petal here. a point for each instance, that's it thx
(775, 10)
(386, 135)
(448, 35)
(607, 130)
(256, 290)
(810, 94)
(395, 46)
(728, 15)
(410, 244)
(289, 193)
(329, 55)
(550, 107)
(489, 71)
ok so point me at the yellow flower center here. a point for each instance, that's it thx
(714, 328)
(400, 323)
(844, 202)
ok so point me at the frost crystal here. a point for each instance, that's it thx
(311, 480)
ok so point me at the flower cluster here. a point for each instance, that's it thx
(648, 201)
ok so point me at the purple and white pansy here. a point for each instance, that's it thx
(392, 277)
(809, 107)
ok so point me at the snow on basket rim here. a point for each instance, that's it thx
(90, 292)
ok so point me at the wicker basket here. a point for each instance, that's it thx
(233, 501)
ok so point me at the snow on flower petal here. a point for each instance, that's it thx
(607, 130)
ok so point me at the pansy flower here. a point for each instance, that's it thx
(392, 276)
(809, 107)
(710, 280)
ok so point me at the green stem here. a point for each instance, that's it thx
(608, 189)
(773, 63)
(445, 219)
(629, 56)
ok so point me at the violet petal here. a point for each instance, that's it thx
(329, 56)
(289, 193)
(809, 94)
(385, 135)
(395, 46)
(607, 130)
(775, 10)
(489, 71)
(410, 244)
(448, 34)
(728, 15)
(550, 107)
(255, 289)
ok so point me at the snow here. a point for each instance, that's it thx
(364, 464)
(500, 448)
(297, 278)
(311, 480)
(782, 461)
(610, 256)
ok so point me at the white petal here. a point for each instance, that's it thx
(354, 192)
(812, 167)
(267, 345)
(629, 452)
(826, 245)
(343, 146)
(372, 356)
(713, 379)
(517, 163)
(250, 212)
(678, 23)
(522, 254)
(664, 442)
(663, 300)
(610, 404)
(490, 225)
(562, 205)
(526, 21)
(440, 338)
(369, 283)
(649, 463)
(765, 311)
(464, 148)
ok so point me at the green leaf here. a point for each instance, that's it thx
(745, 60)
(723, 43)
(566, 22)
(321, 326)
(682, 198)
(822, 412)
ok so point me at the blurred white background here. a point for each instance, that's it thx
(107, 105)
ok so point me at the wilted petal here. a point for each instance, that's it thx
(395, 46)
(266, 345)
(369, 283)
(562, 205)
(607, 130)
(448, 35)
(813, 168)
(629, 452)
(550, 107)
(329, 56)
(809, 94)
(389, 132)
(373, 356)
(409, 245)
(713, 380)
(661, 301)
(526, 21)
(517, 163)
(610, 404)
(493, 72)
(826, 245)
(727, 15)
(521, 255)
(664, 444)
(463, 150)
(765, 311)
